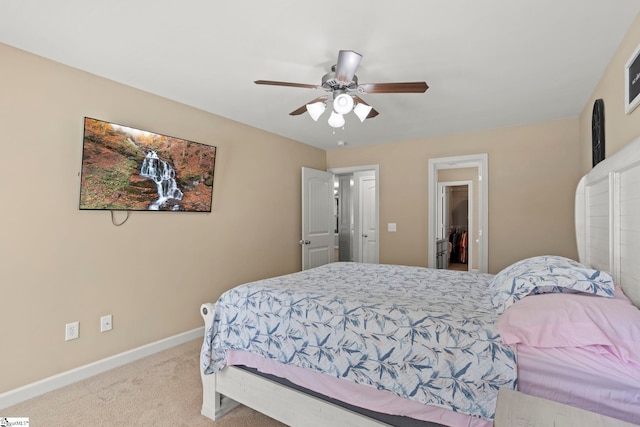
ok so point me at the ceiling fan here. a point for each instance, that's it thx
(343, 91)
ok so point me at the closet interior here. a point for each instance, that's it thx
(458, 229)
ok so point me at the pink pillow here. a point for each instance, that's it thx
(574, 320)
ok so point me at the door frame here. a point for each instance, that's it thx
(357, 257)
(481, 162)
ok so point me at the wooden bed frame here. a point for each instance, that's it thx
(607, 219)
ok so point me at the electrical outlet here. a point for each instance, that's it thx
(71, 331)
(106, 323)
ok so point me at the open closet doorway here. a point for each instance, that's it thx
(477, 241)
(455, 225)
(356, 214)
(340, 215)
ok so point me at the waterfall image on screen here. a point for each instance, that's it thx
(124, 168)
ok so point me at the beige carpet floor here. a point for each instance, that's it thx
(160, 390)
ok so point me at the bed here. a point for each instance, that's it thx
(361, 344)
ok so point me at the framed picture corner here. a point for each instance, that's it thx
(632, 81)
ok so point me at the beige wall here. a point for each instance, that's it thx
(533, 172)
(60, 265)
(620, 128)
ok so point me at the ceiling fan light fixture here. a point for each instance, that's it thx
(336, 120)
(343, 88)
(343, 103)
(362, 110)
(316, 109)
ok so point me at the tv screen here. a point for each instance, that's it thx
(124, 168)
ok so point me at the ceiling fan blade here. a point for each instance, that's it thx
(348, 62)
(373, 111)
(406, 87)
(303, 109)
(274, 83)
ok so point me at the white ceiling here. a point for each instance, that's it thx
(488, 63)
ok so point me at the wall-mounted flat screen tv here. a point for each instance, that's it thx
(124, 168)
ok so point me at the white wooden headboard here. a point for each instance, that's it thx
(608, 218)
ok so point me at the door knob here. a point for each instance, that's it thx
(365, 236)
(304, 242)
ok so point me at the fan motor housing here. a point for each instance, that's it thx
(330, 83)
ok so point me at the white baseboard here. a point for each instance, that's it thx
(46, 385)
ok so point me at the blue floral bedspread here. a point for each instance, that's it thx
(424, 334)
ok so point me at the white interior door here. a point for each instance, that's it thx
(443, 211)
(317, 218)
(368, 218)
